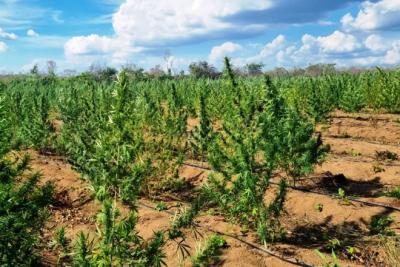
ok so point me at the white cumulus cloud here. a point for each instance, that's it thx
(221, 51)
(392, 56)
(3, 47)
(95, 46)
(92, 44)
(32, 33)
(335, 43)
(271, 54)
(344, 50)
(382, 15)
(7, 35)
(273, 47)
(338, 42)
(375, 43)
(156, 23)
(149, 22)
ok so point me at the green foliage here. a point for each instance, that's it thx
(128, 136)
(82, 256)
(202, 135)
(343, 197)
(253, 69)
(327, 263)
(60, 239)
(23, 203)
(118, 243)
(334, 244)
(22, 213)
(386, 155)
(259, 134)
(393, 193)
(184, 218)
(319, 207)
(388, 83)
(202, 70)
(380, 225)
(207, 255)
(352, 99)
(161, 206)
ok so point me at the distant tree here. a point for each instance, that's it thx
(133, 71)
(94, 68)
(240, 71)
(108, 73)
(297, 72)
(169, 61)
(320, 69)
(156, 71)
(354, 70)
(254, 69)
(51, 67)
(278, 72)
(202, 69)
(35, 70)
(102, 72)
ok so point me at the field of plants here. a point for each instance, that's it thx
(181, 171)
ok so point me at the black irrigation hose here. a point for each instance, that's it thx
(303, 179)
(263, 250)
(360, 139)
(307, 178)
(197, 167)
(371, 160)
(353, 199)
(363, 118)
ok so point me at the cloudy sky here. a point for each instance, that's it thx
(278, 33)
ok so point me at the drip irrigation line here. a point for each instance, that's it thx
(353, 199)
(202, 168)
(307, 178)
(197, 167)
(254, 246)
(371, 160)
(360, 139)
(363, 118)
(387, 146)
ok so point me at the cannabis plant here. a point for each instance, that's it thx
(202, 135)
(23, 205)
(118, 243)
(207, 255)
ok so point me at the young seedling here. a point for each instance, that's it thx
(377, 168)
(319, 207)
(343, 197)
(327, 263)
(208, 254)
(386, 155)
(334, 244)
(380, 225)
(61, 243)
(161, 206)
(352, 251)
(393, 193)
(354, 153)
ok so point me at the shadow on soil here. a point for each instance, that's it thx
(319, 235)
(329, 183)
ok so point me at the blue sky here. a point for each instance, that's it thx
(284, 33)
